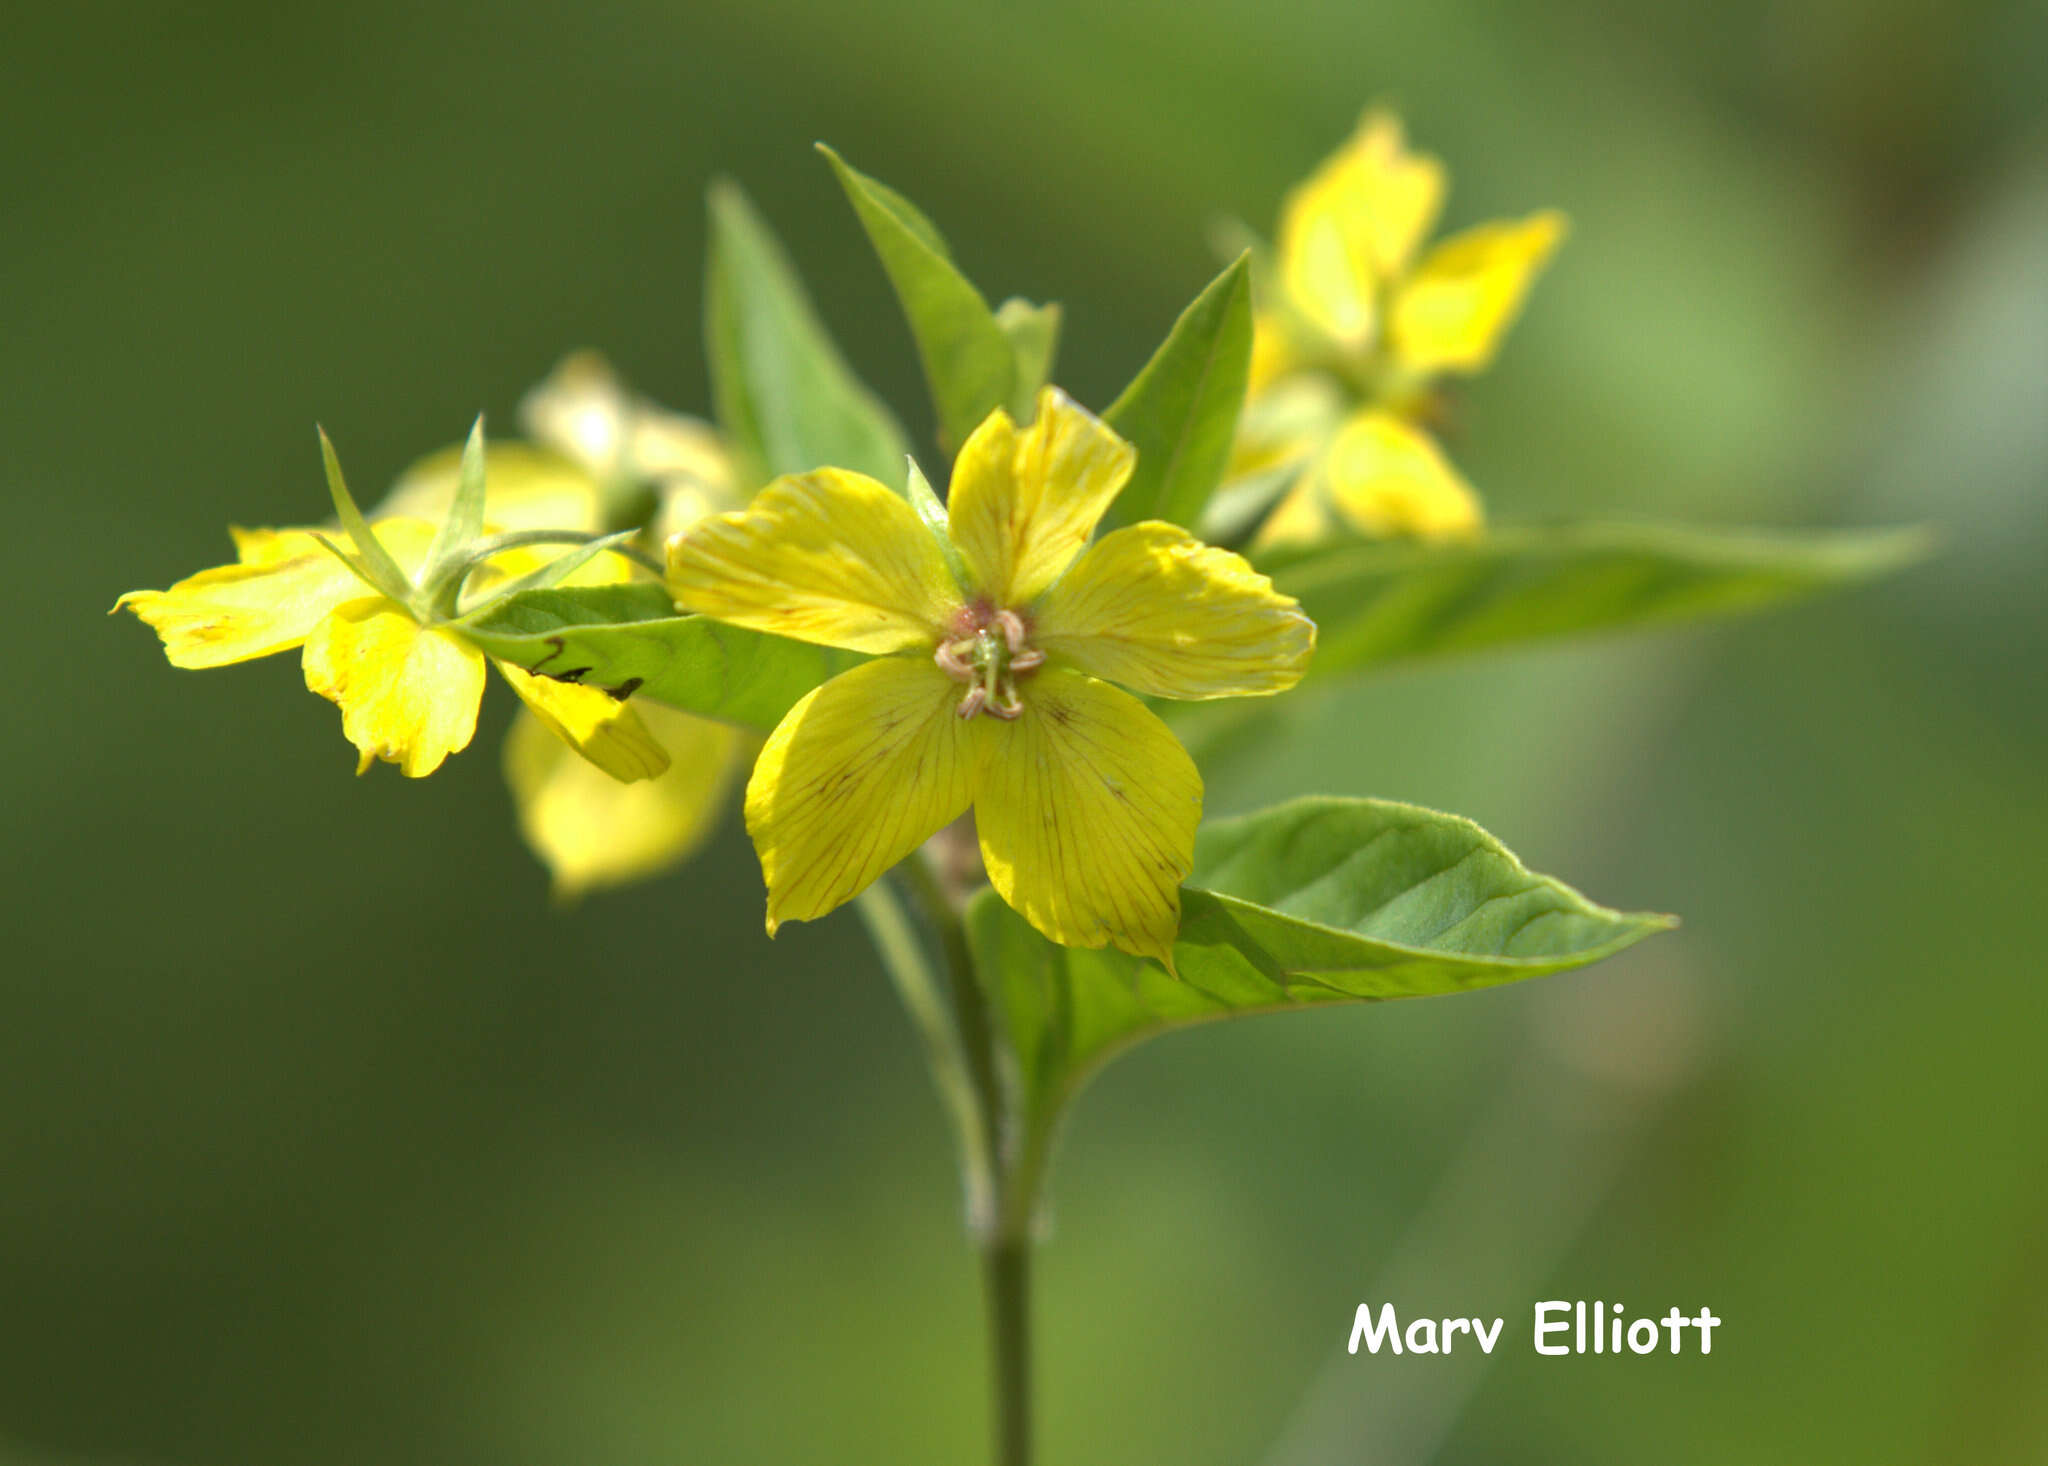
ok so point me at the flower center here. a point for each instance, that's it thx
(988, 651)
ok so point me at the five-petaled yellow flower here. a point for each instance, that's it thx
(407, 681)
(997, 636)
(1353, 329)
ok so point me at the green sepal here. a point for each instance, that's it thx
(1181, 410)
(463, 524)
(1315, 901)
(376, 565)
(784, 395)
(355, 564)
(969, 360)
(933, 514)
(1376, 603)
(628, 640)
(553, 573)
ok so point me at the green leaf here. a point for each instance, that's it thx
(463, 524)
(555, 571)
(376, 565)
(785, 396)
(1378, 603)
(1034, 332)
(1181, 411)
(969, 360)
(1316, 901)
(628, 640)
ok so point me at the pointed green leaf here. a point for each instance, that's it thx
(1316, 901)
(463, 524)
(968, 358)
(1377, 603)
(557, 570)
(907, 214)
(1181, 410)
(1034, 332)
(376, 564)
(785, 397)
(355, 565)
(628, 640)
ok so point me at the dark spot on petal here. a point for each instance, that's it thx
(625, 689)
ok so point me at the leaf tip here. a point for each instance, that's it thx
(1905, 545)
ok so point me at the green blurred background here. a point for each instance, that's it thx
(323, 1139)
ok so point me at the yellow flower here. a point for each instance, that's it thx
(379, 640)
(1384, 477)
(584, 412)
(589, 829)
(996, 634)
(1353, 297)
(592, 831)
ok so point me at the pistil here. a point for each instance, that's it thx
(991, 651)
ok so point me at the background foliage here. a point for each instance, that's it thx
(322, 1138)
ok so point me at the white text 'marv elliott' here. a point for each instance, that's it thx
(1560, 1328)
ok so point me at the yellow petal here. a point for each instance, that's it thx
(681, 503)
(604, 729)
(859, 774)
(1273, 353)
(283, 583)
(1155, 609)
(524, 488)
(408, 694)
(1285, 424)
(589, 829)
(828, 556)
(672, 449)
(1300, 518)
(1352, 226)
(406, 539)
(1386, 477)
(234, 612)
(1451, 314)
(1087, 814)
(1023, 502)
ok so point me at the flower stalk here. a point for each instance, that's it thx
(1000, 1173)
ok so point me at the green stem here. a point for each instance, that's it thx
(1006, 1271)
(1002, 1225)
(917, 985)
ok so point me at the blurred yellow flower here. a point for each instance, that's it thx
(997, 635)
(1353, 299)
(585, 413)
(592, 831)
